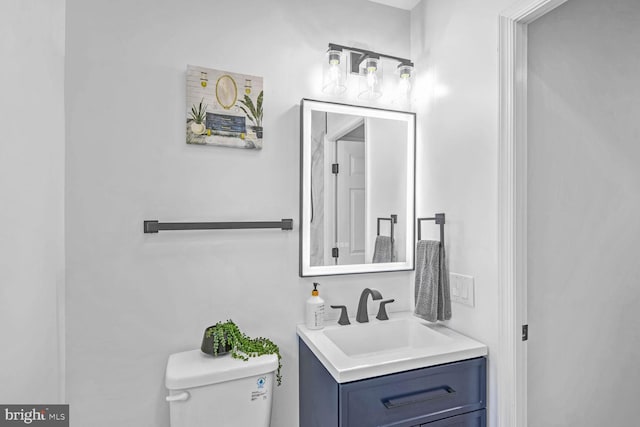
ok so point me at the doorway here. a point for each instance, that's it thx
(583, 210)
(345, 183)
(513, 211)
(350, 199)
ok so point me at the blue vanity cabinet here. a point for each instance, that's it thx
(449, 395)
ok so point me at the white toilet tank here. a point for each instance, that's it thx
(207, 391)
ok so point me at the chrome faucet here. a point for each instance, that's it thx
(363, 315)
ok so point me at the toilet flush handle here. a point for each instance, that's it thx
(184, 395)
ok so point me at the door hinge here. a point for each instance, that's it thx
(335, 168)
(335, 252)
(525, 332)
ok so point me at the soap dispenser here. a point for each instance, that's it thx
(314, 316)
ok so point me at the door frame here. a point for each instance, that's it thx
(512, 207)
(330, 143)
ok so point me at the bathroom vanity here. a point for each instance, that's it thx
(403, 372)
(357, 182)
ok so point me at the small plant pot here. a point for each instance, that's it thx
(257, 130)
(198, 128)
(207, 345)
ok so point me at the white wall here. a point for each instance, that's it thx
(583, 210)
(32, 194)
(455, 47)
(386, 146)
(133, 299)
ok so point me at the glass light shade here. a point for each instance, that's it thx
(370, 79)
(334, 73)
(405, 73)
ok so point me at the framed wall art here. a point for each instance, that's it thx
(224, 108)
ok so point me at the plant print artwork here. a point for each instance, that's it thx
(224, 108)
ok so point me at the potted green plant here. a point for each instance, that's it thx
(225, 337)
(254, 112)
(198, 118)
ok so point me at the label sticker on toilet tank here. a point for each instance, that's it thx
(259, 395)
(261, 392)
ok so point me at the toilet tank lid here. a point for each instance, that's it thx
(195, 368)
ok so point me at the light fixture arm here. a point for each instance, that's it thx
(364, 54)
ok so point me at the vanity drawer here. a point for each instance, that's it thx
(473, 419)
(415, 397)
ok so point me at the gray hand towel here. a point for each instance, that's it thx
(432, 295)
(383, 250)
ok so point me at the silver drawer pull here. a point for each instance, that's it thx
(418, 397)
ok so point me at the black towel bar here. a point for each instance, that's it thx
(439, 219)
(393, 219)
(153, 226)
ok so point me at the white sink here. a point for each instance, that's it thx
(364, 350)
(401, 334)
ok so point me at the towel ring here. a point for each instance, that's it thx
(439, 219)
(393, 219)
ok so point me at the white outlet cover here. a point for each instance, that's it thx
(462, 289)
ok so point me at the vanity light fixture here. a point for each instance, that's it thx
(368, 66)
(371, 78)
(405, 72)
(334, 72)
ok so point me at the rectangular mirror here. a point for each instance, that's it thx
(357, 189)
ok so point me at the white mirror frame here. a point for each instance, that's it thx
(306, 269)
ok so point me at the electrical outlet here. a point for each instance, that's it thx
(462, 289)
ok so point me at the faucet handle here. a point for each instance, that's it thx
(344, 317)
(382, 312)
